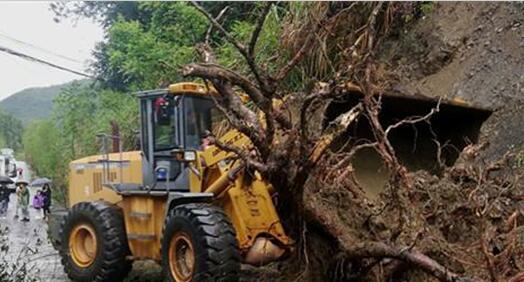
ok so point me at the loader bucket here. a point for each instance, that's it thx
(455, 126)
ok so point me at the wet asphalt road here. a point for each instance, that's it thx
(28, 245)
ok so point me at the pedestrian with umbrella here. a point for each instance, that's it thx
(23, 199)
(39, 182)
(4, 195)
(46, 193)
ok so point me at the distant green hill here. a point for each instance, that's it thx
(32, 103)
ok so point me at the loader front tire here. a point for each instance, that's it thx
(199, 244)
(94, 243)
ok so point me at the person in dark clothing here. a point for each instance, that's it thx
(46, 191)
(4, 199)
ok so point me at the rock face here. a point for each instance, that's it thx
(470, 51)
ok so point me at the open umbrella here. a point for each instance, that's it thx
(40, 181)
(21, 181)
(6, 180)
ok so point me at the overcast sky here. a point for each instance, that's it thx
(32, 22)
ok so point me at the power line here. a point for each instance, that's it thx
(39, 48)
(33, 59)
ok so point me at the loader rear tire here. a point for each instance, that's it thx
(199, 244)
(94, 243)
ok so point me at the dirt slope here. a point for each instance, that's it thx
(470, 51)
(467, 51)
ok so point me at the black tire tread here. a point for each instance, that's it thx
(218, 255)
(111, 263)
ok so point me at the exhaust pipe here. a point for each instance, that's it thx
(262, 252)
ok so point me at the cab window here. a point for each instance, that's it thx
(164, 124)
(198, 115)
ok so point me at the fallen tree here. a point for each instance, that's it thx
(295, 152)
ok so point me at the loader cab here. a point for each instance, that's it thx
(172, 120)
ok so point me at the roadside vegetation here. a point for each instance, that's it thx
(145, 48)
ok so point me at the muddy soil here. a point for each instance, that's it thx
(472, 52)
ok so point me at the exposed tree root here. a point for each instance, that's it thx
(287, 151)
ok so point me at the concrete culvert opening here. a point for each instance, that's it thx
(455, 126)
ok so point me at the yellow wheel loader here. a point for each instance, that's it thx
(180, 201)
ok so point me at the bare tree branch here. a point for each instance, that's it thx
(258, 28)
(321, 90)
(334, 129)
(299, 55)
(242, 154)
(246, 120)
(263, 83)
(206, 53)
(411, 256)
(414, 120)
(218, 26)
(210, 29)
(351, 153)
(212, 71)
(371, 26)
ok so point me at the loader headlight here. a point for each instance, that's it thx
(184, 156)
(189, 156)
